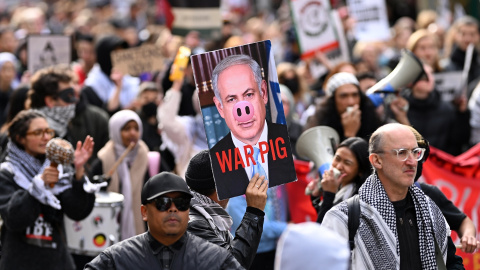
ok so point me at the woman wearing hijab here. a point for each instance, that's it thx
(125, 128)
(34, 196)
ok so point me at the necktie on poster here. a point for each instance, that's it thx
(257, 168)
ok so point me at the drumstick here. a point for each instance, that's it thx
(120, 159)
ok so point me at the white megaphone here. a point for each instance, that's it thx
(408, 70)
(318, 144)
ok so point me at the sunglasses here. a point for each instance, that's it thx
(164, 203)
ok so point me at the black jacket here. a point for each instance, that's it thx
(21, 211)
(439, 122)
(139, 252)
(247, 236)
(89, 120)
(452, 214)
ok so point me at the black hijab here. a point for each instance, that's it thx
(103, 49)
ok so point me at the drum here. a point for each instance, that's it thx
(100, 229)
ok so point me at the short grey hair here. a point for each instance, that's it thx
(467, 20)
(375, 144)
(232, 60)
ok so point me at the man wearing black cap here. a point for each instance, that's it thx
(167, 244)
(210, 221)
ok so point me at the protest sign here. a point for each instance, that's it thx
(244, 121)
(139, 60)
(202, 16)
(448, 84)
(371, 20)
(47, 50)
(315, 27)
(319, 29)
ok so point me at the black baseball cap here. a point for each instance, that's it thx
(163, 183)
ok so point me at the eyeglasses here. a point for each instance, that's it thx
(164, 203)
(403, 153)
(41, 132)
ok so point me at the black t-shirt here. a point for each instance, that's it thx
(407, 234)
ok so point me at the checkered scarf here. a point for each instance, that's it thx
(377, 239)
(220, 221)
(58, 117)
(429, 220)
(27, 169)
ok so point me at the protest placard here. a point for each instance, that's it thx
(371, 20)
(47, 50)
(243, 116)
(135, 61)
(448, 84)
(314, 27)
(319, 29)
(202, 16)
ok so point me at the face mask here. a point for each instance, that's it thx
(58, 117)
(292, 84)
(148, 110)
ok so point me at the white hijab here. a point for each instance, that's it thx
(115, 125)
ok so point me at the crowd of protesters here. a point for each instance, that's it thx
(90, 98)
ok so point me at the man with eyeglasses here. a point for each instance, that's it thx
(167, 244)
(399, 226)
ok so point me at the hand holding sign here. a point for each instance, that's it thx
(256, 193)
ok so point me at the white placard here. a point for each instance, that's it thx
(448, 84)
(48, 50)
(371, 20)
(315, 28)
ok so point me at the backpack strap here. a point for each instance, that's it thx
(353, 219)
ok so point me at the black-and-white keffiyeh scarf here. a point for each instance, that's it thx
(217, 217)
(58, 117)
(428, 216)
(27, 171)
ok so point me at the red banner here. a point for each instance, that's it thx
(300, 205)
(457, 177)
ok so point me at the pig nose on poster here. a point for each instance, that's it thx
(243, 111)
